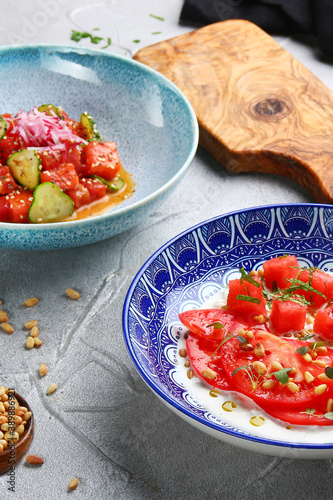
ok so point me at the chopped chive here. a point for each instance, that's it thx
(156, 32)
(108, 43)
(248, 298)
(157, 17)
(136, 41)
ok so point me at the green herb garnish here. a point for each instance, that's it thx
(248, 298)
(157, 17)
(302, 350)
(282, 375)
(329, 372)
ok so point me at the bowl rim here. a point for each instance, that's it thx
(147, 199)
(265, 442)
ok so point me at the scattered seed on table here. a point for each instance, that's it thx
(73, 294)
(7, 327)
(43, 370)
(34, 460)
(31, 302)
(3, 316)
(29, 325)
(37, 342)
(30, 343)
(73, 483)
(34, 331)
(52, 388)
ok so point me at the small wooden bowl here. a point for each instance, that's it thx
(10, 457)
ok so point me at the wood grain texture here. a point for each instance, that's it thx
(259, 109)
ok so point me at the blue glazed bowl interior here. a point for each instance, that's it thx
(146, 115)
(194, 265)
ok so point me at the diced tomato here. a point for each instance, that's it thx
(101, 159)
(238, 360)
(279, 270)
(5, 212)
(323, 323)
(64, 176)
(320, 281)
(50, 160)
(246, 299)
(95, 187)
(287, 316)
(7, 183)
(8, 145)
(205, 354)
(198, 321)
(80, 195)
(19, 202)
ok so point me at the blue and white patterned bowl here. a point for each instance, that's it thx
(188, 271)
(151, 121)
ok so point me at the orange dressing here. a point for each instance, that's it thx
(109, 201)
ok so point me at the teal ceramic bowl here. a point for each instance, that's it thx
(151, 121)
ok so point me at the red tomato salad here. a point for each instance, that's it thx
(52, 165)
(271, 342)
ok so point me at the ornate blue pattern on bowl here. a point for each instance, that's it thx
(190, 269)
(151, 121)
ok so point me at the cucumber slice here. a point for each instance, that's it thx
(46, 108)
(3, 127)
(24, 167)
(50, 204)
(90, 127)
(115, 185)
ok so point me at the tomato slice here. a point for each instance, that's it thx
(304, 415)
(240, 362)
(204, 354)
(199, 321)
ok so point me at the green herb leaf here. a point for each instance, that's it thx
(329, 415)
(247, 277)
(282, 375)
(302, 350)
(157, 17)
(136, 41)
(242, 340)
(107, 44)
(248, 298)
(329, 372)
(309, 411)
(217, 325)
(156, 32)
(244, 367)
(222, 342)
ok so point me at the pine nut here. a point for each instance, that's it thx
(34, 331)
(323, 377)
(7, 327)
(190, 373)
(320, 362)
(260, 319)
(31, 302)
(320, 389)
(329, 405)
(261, 273)
(187, 363)
(73, 483)
(3, 390)
(259, 367)
(268, 384)
(208, 373)
(20, 429)
(307, 357)
(73, 294)
(276, 366)
(308, 377)
(43, 370)
(27, 416)
(182, 353)
(294, 388)
(52, 388)
(30, 343)
(30, 324)
(321, 350)
(37, 342)
(259, 350)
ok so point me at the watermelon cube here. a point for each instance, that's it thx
(245, 298)
(287, 316)
(279, 270)
(323, 324)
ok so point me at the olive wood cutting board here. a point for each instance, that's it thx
(259, 109)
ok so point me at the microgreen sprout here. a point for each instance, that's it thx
(302, 350)
(329, 372)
